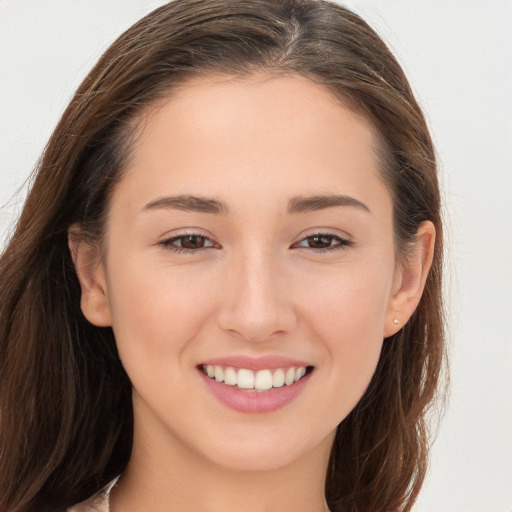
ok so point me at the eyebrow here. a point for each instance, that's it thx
(188, 204)
(304, 204)
(300, 204)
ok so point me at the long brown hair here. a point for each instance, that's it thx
(65, 400)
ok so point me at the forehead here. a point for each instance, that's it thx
(223, 136)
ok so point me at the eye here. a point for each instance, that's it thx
(324, 242)
(190, 242)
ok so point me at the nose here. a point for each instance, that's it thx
(256, 304)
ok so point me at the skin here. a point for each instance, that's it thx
(259, 287)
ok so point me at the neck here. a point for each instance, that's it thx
(168, 476)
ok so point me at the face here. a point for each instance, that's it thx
(251, 239)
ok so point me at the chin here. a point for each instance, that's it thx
(268, 451)
(255, 460)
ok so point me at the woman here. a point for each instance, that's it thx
(224, 290)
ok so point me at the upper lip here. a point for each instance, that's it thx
(268, 362)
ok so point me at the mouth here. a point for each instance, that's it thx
(261, 384)
(260, 381)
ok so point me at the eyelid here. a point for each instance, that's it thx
(168, 242)
(344, 241)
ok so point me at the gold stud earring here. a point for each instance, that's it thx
(395, 321)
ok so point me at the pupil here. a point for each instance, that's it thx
(319, 241)
(192, 242)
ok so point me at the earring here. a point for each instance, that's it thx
(395, 321)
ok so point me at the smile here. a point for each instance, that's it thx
(255, 386)
(249, 380)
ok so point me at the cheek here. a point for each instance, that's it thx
(156, 312)
(350, 304)
(347, 316)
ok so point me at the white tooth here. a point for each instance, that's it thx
(299, 373)
(263, 380)
(289, 378)
(245, 379)
(230, 377)
(219, 374)
(278, 378)
(210, 371)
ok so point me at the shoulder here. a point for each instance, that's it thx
(96, 503)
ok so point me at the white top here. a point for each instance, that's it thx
(96, 503)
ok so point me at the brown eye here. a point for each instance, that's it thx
(324, 242)
(319, 241)
(188, 243)
(192, 242)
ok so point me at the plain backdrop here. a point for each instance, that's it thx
(458, 56)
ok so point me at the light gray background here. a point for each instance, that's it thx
(458, 56)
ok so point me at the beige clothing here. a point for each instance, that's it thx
(96, 503)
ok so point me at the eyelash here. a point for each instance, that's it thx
(169, 244)
(341, 243)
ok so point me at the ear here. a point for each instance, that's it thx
(89, 268)
(410, 278)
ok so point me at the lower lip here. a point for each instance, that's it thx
(253, 401)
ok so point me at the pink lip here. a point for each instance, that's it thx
(252, 401)
(256, 363)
